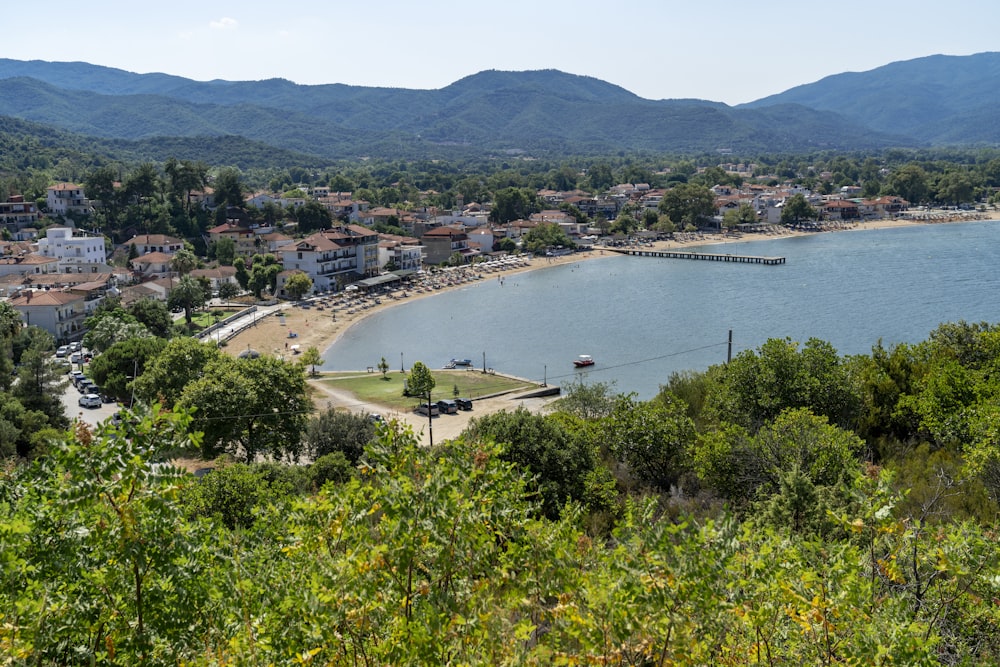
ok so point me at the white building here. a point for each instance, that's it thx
(66, 198)
(75, 254)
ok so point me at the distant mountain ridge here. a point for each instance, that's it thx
(934, 100)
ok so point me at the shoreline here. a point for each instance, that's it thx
(323, 328)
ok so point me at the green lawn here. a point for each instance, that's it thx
(203, 319)
(371, 388)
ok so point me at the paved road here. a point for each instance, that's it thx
(70, 400)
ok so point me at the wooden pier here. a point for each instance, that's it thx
(710, 257)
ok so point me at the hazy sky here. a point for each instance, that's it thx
(723, 50)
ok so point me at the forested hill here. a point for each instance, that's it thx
(537, 112)
(938, 99)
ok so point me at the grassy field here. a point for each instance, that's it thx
(202, 319)
(371, 388)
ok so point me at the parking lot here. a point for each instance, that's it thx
(71, 404)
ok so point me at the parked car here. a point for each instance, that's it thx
(428, 408)
(90, 401)
(464, 403)
(76, 377)
(62, 351)
(375, 418)
(76, 357)
(447, 406)
(75, 346)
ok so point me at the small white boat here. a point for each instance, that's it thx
(583, 360)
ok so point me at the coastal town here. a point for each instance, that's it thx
(526, 369)
(56, 272)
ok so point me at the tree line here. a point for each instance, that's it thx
(793, 505)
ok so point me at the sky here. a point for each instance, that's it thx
(724, 50)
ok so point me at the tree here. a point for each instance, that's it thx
(228, 290)
(592, 401)
(334, 430)
(242, 276)
(234, 494)
(652, 439)
(311, 358)
(116, 369)
(600, 177)
(187, 294)
(909, 182)
(556, 463)
(383, 367)
(183, 262)
(796, 209)
(688, 204)
(10, 326)
(297, 285)
(312, 216)
(229, 188)
(180, 362)
(756, 386)
(154, 315)
(545, 236)
(420, 381)
(512, 204)
(741, 467)
(39, 382)
(249, 408)
(264, 274)
(225, 250)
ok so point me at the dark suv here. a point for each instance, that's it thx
(447, 406)
(464, 403)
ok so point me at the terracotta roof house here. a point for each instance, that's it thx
(840, 209)
(441, 243)
(17, 214)
(404, 252)
(216, 276)
(276, 240)
(27, 264)
(64, 199)
(334, 258)
(147, 243)
(61, 313)
(240, 234)
(153, 264)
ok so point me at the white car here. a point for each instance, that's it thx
(90, 401)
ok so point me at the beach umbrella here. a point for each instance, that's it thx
(249, 354)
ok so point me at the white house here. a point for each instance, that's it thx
(75, 254)
(61, 313)
(334, 258)
(66, 198)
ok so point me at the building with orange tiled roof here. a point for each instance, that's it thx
(64, 199)
(59, 312)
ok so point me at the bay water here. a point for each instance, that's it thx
(644, 318)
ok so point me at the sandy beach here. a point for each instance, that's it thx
(325, 321)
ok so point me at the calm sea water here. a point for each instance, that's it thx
(644, 318)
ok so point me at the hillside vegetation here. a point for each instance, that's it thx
(540, 112)
(791, 507)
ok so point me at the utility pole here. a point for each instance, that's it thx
(729, 353)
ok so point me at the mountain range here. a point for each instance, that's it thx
(932, 101)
